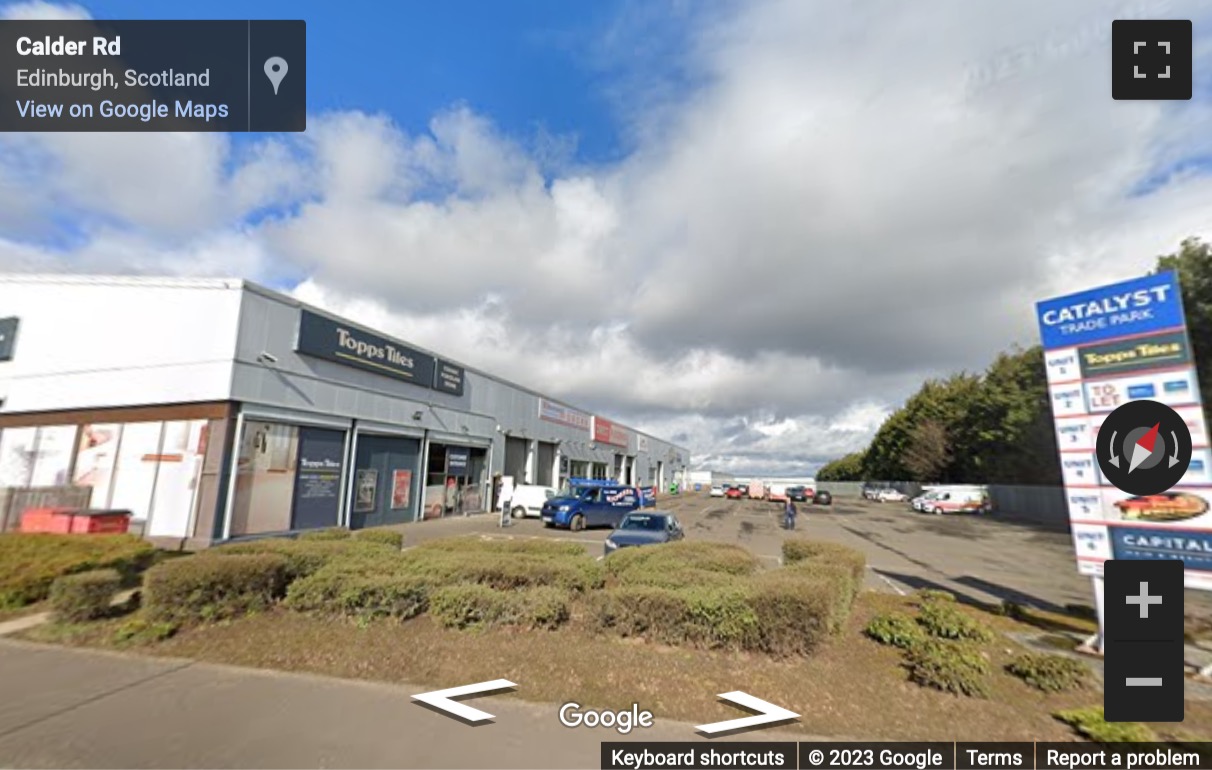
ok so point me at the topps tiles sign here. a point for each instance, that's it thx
(322, 337)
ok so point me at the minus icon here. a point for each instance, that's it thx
(1143, 681)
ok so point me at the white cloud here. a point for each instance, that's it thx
(852, 198)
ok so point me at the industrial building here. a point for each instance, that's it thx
(215, 409)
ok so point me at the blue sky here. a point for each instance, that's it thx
(736, 177)
(533, 66)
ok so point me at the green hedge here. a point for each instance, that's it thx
(359, 594)
(699, 617)
(305, 557)
(321, 535)
(386, 537)
(473, 543)
(30, 563)
(797, 551)
(795, 613)
(503, 570)
(84, 596)
(211, 586)
(475, 606)
(708, 557)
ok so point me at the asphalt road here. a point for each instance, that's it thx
(63, 707)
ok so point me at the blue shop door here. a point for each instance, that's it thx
(386, 481)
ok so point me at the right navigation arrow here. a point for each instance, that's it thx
(767, 714)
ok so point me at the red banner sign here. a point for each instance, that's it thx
(606, 432)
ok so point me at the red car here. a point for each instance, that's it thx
(733, 493)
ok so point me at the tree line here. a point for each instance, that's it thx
(995, 427)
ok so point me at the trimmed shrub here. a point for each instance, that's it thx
(30, 562)
(331, 533)
(700, 617)
(796, 551)
(946, 621)
(949, 666)
(927, 595)
(502, 570)
(210, 587)
(84, 595)
(305, 557)
(1091, 723)
(470, 543)
(709, 557)
(359, 594)
(794, 613)
(142, 631)
(386, 537)
(471, 606)
(545, 607)
(843, 589)
(1049, 673)
(661, 576)
(896, 629)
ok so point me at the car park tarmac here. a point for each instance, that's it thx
(984, 558)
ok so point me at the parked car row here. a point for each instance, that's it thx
(939, 499)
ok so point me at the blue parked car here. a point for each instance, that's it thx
(644, 528)
(597, 505)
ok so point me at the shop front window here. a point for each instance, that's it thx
(456, 481)
(264, 478)
(96, 458)
(18, 447)
(287, 478)
(136, 465)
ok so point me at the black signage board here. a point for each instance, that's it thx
(448, 378)
(331, 340)
(457, 460)
(8, 337)
(317, 494)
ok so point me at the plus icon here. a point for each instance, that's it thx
(1151, 59)
(1143, 600)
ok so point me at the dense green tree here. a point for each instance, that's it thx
(997, 427)
(929, 451)
(848, 468)
(993, 427)
(1193, 262)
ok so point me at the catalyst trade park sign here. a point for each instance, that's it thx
(1103, 348)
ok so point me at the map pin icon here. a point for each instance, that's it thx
(275, 70)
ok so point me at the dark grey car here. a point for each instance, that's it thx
(644, 528)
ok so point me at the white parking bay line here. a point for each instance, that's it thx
(891, 584)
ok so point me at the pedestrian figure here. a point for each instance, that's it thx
(789, 513)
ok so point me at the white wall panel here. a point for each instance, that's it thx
(90, 342)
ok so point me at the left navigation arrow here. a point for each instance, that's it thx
(444, 700)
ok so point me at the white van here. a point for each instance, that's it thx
(528, 499)
(956, 499)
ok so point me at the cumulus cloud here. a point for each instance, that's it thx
(836, 202)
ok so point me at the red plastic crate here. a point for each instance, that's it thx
(101, 523)
(65, 521)
(56, 520)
